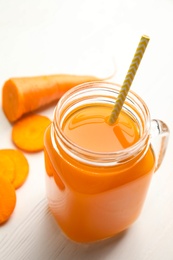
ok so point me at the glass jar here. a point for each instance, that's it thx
(95, 194)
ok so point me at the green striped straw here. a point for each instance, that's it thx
(129, 78)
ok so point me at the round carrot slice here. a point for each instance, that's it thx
(20, 165)
(7, 169)
(28, 133)
(7, 199)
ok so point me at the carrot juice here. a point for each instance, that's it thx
(97, 174)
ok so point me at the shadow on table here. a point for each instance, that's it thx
(97, 250)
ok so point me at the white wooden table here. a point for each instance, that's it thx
(89, 37)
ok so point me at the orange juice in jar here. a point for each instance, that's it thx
(98, 174)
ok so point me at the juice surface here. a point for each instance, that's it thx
(88, 127)
(91, 202)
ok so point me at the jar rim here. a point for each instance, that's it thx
(107, 157)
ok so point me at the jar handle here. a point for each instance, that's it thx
(159, 140)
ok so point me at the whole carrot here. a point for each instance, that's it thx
(27, 94)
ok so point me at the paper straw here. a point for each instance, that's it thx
(129, 78)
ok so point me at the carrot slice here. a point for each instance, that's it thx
(7, 168)
(28, 133)
(7, 200)
(20, 165)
